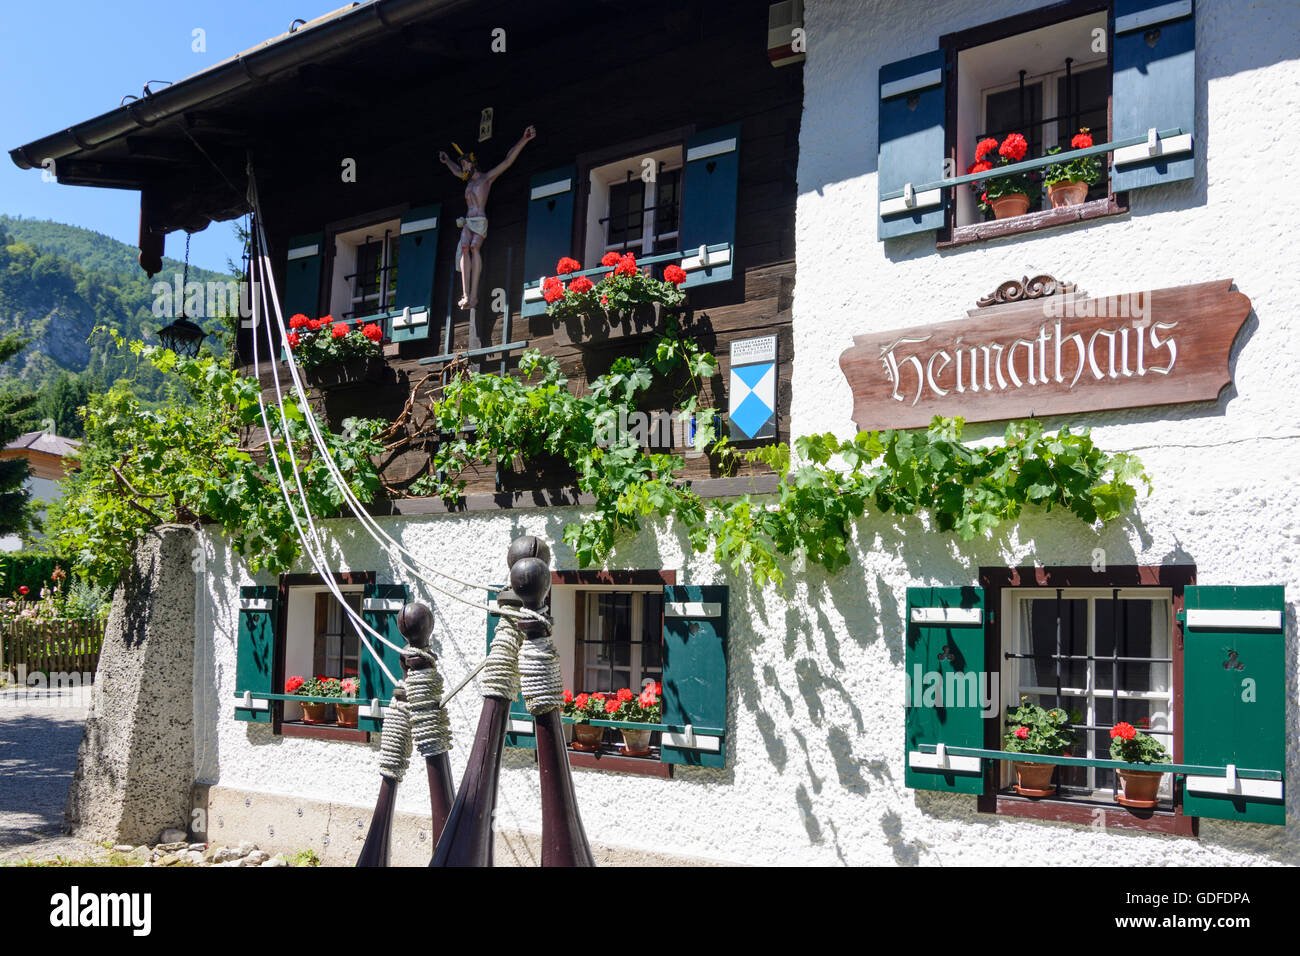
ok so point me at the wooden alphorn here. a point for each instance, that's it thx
(415, 621)
(467, 838)
(564, 842)
(375, 851)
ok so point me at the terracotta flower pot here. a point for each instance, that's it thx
(1034, 779)
(1016, 204)
(313, 713)
(1138, 788)
(636, 743)
(347, 714)
(1067, 194)
(587, 737)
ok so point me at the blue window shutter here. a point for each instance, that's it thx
(549, 234)
(417, 257)
(945, 635)
(695, 673)
(255, 649)
(380, 604)
(912, 147)
(710, 182)
(518, 709)
(302, 276)
(1153, 87)
(1234, 700)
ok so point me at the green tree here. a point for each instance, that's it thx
(16, 515)
(58, 404)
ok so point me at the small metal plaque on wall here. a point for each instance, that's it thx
(753, 388)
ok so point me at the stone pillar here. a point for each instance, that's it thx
(135, 767)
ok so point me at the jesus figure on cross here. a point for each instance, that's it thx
(473, 226)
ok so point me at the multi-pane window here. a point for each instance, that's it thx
(622, 640)
(374, 284)
(1104, 655)
(634, 205)
(337, 649)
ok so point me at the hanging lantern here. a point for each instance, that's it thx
(183, 337)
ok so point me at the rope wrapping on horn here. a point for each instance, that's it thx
(501, 671)
(539, 673)
(430, 728)
(395, 750)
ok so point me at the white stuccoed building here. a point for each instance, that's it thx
(816, 765)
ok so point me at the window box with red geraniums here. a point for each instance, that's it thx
(1067, 183)
(583, 708)
(1004, 196)
(1036, 730)
(314, 712)
(1138, 788)
(625, 301)
(336, 353)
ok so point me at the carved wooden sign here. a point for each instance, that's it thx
(1041, 347)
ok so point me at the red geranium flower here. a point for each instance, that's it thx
(293, 340)
(625, 694)
(675, 274)
(647, 699)
(581, 284)
(567, 265)
(568, 696)
(611, 706)
(597, 696)
(373, 332)
(984, 197)
(581, 701)
(552, 290)
(1014, 148)
(609, 259)
(24, 590)
(339, 330)
(984, 147)
(626, 265)
(980, 166)
(1123, 730)
(1082, 140)
(297, 321)
(604, 300)
(1022, 732)
(292, 684)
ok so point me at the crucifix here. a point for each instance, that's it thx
(473, 225)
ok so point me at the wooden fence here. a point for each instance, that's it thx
(50, 646)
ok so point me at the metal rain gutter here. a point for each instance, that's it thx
(241, 72)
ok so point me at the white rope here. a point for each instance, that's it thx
(354, 504)
(392, 547)
(317, 562)
(539, 674)
(272, 303)
(395, 748)
(501, 670)
(430, 728)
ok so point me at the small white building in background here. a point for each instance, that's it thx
(49, 457)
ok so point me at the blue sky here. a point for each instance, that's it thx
(64, 61)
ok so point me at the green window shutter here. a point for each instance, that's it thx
(259, 607)
(695, 674)
(302, 276)
(1234, 700)
(1153, 89)
(521, 732)
(945, 679)
(417, 257)
(549, 234)
(380, 604)
(710, 181)
(912, 146)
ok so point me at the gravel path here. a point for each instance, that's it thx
(39, 735)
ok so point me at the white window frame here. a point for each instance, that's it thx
(637, 675)
(343, 298)
(1013, 668)
(300, 634)
(601, 178)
